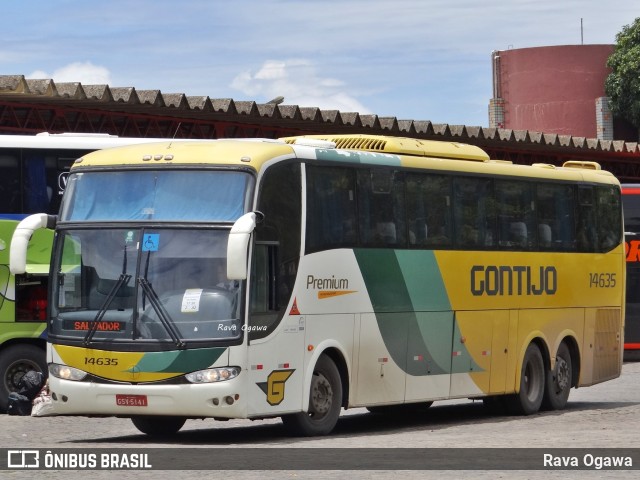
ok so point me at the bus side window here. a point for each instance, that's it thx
(586, 232)
(428, 207)
(331, 203)
(555, 217)
(609, 221)
(474, 213)
(381, 208)
(515, 209)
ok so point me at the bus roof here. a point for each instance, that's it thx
(396, 145)
(251, 153)
(68, 141)
(359, 149)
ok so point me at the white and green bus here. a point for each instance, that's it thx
(292, 278)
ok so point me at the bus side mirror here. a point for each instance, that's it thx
(238, 246)
(21, 237)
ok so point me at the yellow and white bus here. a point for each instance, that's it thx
(293, 278)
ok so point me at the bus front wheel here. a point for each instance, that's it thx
(532, 382)
(157, 426)
(558, 381)
(325, 402)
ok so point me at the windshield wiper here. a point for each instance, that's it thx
(162, 313)
(123, 279)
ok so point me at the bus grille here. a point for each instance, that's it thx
(607, 354)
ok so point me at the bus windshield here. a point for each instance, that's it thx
(164, 284)
(168, 195)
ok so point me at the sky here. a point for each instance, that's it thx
(409, 59)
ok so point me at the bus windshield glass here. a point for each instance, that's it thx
(168, 195)
(127, 285)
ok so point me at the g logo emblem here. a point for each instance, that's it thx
(274, 386)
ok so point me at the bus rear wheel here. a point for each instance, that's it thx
(157, 426)
(532, 382)
(325, 402)
(558, 381)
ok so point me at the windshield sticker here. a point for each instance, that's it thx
(191, 300)
(150, 242)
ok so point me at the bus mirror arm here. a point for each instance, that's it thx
(238, 245)
(21, 237)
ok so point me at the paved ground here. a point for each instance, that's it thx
(602, 416)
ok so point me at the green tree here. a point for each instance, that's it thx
(623, 83)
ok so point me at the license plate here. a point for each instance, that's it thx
(131, 400)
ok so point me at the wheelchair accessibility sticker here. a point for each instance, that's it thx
(150, 242)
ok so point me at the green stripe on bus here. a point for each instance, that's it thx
(184, 361)
(423, 280)
(412, 309)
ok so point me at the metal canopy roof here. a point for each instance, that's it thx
(31, 106)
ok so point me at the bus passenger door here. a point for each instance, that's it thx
(381, 361)
(275, 337)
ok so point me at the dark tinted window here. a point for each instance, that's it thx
(514, 207)
(32, 181)
(555, 217)
(474, 213)
(397, 209)
(331, 207)
(428, 199)
(381, 216)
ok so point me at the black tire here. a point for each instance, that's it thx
(558, 381)
(158, 426)
(325, 402)
(532, 381)
(400, 410)
(15, 361)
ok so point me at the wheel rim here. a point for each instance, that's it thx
(16, 371)
(321, 396)
(532, 381)
(562, 375)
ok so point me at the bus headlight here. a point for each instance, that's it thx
(66, 373)
(211, 375)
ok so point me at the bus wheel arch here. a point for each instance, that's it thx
(338, 358)
(325, 401)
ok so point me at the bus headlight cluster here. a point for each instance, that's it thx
(66, 373)
(211, 375)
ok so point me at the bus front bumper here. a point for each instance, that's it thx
(222, 400)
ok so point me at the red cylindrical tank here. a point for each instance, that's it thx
(551, 89)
